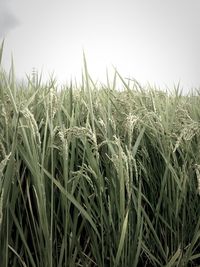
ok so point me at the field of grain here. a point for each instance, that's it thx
(94, 176)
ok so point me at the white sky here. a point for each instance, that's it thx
(150, 40)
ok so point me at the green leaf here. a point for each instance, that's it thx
(74, 201)
(121, 241)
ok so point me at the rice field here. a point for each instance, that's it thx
(93, 176)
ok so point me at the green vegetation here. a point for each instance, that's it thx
(98, 177)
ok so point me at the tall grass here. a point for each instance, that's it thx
(98, 177)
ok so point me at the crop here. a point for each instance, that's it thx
(94, 176)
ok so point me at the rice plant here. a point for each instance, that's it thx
(94, 176)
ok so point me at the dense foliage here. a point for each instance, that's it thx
(98, 177)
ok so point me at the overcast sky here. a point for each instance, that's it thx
(150, 40)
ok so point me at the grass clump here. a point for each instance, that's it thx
(98, 177)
